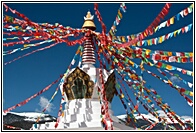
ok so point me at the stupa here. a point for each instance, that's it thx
(83, 107)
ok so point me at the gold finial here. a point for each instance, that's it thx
(88, 15)
(88, 23)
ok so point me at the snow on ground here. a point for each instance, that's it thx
(161, 114)
(30, 114)
(4, 113)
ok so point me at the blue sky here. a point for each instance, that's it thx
(25, 77)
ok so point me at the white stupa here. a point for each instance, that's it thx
(80, 89)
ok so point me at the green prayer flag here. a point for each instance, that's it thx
(187, 55)
(158, 96)
(115, 60)
(189, 73)
(126, 60)
(186, 92)
(164, 65)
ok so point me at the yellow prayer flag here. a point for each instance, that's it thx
(172, 20)
(192, 5)
(145, 34)
(191, 54)
(169, 53)
(78, 51)
(169, 82)
(191, 94)
(119, 13)
(148, 42)
(132, 37)
(155, 30)
(148, 90)
(151, 64)
(7, 17)
(131, 63)
(148, 51)
(25, 45)
(16, 27)
(62, 114)
(175, 33)
(160, 39)
(169, 67)
(123, 39)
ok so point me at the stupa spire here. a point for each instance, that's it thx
(88, 56)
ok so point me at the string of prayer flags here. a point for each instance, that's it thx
(181, 90)
(64, 97)
(123, 39)
(48, 104)
(176, 17)
(25, 46)
(166, 53)
(159, 40)
(119, 16)
(148, 100)
(177, 59)
(169, 67)
(166, 23)
(30, 98)
(60, 113)
(185, 82)
(113, 53)
(132, 116)
(149, 30)
(105, 107)
(161, 65)
(157, 95)
(101, 22)
(37, 50)
(136, 106)
(44, 48)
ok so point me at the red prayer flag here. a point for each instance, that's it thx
(183, 29)
(185, 12)
(168, 23)
(184, 59)
(183, 71)
(159, 64)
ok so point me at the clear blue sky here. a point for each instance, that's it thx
(27, 76)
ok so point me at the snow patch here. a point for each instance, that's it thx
(30, 114)
(161, 113)
(4, 113)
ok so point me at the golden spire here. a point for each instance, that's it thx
(89, 23)
(88, 15)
